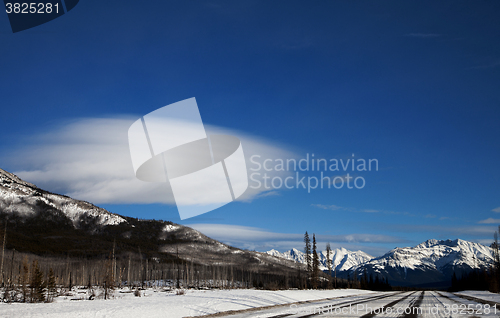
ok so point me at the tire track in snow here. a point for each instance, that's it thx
(281, 315)
(415, 304)
(349, 303)
(391, 304)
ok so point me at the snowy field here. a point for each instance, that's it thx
(486, 295)
(166, 304)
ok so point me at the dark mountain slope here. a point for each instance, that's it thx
(45, 223)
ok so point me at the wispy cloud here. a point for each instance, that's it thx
(333, 207)
(489, 221)
(497, 210)
(328, 207)
(448, 232)
(263, 240)
(424, 35)
(268, 194)
(369, 210)
(486, 242)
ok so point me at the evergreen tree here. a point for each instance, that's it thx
(108, 278)
(51, 286)
(315, 265)
(37, 284)
(24, 279)
(329, 265)
(307, 250)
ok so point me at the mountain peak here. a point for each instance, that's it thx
(342, 259)
(9, 178)
(448, 242)
(431, 261)
(25, 199)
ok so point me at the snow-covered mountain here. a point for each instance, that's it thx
(342, 259)
(431, 262)
(42, 222)
(25, 199)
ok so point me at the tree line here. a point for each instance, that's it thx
(27, 277)
(33, 278)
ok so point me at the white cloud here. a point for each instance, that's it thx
(497, 210)
(486, 242)
(241, 233)
(268, 194)
(370, 211)
(263, 240)
(337, 208)
(489, 221)
(89, 159)
(328, 207)
(447, 232)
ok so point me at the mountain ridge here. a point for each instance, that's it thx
(45, 223)
(342, 259)
(431, 263)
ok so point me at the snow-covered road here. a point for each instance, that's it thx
(428, 304)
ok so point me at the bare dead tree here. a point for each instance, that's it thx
(128, 272)
(3, 252)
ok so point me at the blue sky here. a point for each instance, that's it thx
(413, 84)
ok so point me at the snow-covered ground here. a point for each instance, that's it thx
(486, 295)
(166, 304)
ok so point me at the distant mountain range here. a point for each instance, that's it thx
(46, 223)
(429, 264)
(342, 259)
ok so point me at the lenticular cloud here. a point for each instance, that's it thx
(89, 159)
(170, 145)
